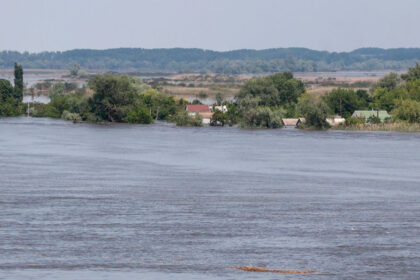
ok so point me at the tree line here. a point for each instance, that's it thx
(229, 62)
(262, 102)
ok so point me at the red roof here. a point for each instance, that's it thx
(198, 108)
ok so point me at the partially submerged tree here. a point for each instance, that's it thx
(18, 90)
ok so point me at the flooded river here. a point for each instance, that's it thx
(81, 201)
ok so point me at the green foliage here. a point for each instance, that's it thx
(18, 90)
(9, 104)
(6, 90)
(113, 97)
(57, 90)
(390, 82)
(274, 90)
(74, 70)
(344, 102)
(74, 117)
(161, 106)
(407, 110)
(184, 119)
(218, 119)
(220, 97)
(230, 62)
(354, 121)
(202, 95)
(262, 117)
(232, 115)
(139, 115)
(412, 74)
(374, 120)
(314, 113)
(11, 107)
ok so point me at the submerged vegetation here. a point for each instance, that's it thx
(261, 102)
(11, 96)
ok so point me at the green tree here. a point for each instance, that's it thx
(412, 74)
(342, 101)
(275, 90)
(218, 119)
(6, 89)
(57, 90)
(18, 91)
(139, 115)
(390, 82)
(113, 97)
(184, 119)
(315, 113)
(262, 117)
(407, 110)
(220, 97)
(74, 70)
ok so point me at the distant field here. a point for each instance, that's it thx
(206, 86)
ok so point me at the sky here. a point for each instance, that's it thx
(333, 25)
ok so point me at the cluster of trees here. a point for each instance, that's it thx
(230, 62)
(11, 96)
(263, 102)
(115, 99)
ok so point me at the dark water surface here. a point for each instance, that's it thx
(160, 202)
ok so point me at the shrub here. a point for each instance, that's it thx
(139, 115)
(314, 113)
(184, 119)
(262, 117)
(218, 119)
(354, 121)
(374, 120)
(407, 110)
(74, 117)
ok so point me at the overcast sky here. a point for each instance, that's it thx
(334, 25)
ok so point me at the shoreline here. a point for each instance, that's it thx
(393, 127)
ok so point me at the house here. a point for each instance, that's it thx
(222, 108)
(293, 122)
(336, 120)
(290, 122)
(202, 110)
(381, 114)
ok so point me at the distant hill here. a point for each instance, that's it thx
(228, 62)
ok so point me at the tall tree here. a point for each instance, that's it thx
(18, 91)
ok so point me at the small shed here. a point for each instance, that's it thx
(293, 121)
(290, 122)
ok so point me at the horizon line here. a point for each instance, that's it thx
(203, 49)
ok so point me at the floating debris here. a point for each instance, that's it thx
(259, 269)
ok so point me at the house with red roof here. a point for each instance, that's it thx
(202, 110)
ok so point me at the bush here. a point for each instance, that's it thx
(184, 119)
(139, 115)
(408, 110)
(374, 120)
(262, 117)
(218, 119)
(74, 117)
(354, 121)
(315, 114)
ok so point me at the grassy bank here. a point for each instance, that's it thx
(396, 127)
